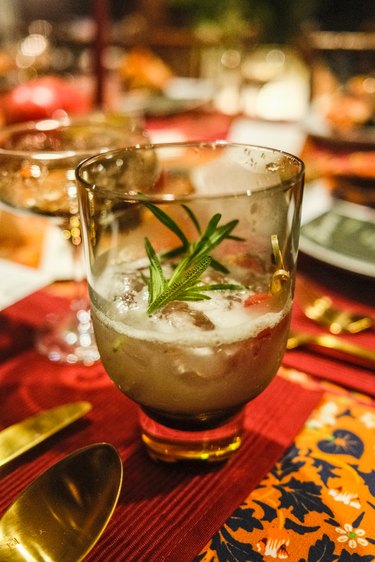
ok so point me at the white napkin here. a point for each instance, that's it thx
(17, 281)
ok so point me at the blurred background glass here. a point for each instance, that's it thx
(146, 42)
(307, 63)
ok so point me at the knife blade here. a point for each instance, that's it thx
(21, 437)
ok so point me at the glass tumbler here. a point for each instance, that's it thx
(191, 255)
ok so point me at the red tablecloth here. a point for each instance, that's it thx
(348, 292)
(162, 508)
(164, 512)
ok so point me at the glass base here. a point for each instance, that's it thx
(173, 445)
(68, 338)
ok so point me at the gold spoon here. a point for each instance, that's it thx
(351, 352)
(62, 514)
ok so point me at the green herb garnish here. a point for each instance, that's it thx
(185, 283)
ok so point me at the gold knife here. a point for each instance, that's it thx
(21, 437)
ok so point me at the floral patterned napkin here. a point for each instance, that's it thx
(318, 501)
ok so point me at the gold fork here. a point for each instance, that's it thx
(322, 310)
(350, 352)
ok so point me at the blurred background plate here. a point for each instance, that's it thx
(161, 105)
(339, 233)
(178, 96)
(318, 128)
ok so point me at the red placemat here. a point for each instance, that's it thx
(322, 363)
(164, 512)
(19, 322)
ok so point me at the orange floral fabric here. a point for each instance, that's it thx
(318, 502)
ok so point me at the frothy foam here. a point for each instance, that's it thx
(229, 326)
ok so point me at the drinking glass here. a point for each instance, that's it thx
(191, 254)
(37, 175)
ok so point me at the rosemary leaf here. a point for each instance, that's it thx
(157, 281)
(177, 287)
(185, 283)
(222, 287)
(168, 222)
(193, 218)
(218, 266)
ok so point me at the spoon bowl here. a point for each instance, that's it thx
(61, 515)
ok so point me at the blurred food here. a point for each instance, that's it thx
(352, 107)
(141, 68)
(350, 174)
(352, 164)
(345, 110)
(45, 97)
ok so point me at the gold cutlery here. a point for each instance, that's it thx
(20, 437)
(61, 515)
(321, 309)
(351, 352)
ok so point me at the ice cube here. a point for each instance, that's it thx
(180, 314)
(127, 289)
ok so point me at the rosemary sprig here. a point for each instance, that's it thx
(185, 282)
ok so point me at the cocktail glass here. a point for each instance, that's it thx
(37, 175)
(191, 253)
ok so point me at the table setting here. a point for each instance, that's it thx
(301, 484)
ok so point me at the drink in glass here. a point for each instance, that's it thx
(191, 251)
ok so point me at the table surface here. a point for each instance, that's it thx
(301, 487)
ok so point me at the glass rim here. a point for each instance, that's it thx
(171, 197)
(60, 123)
